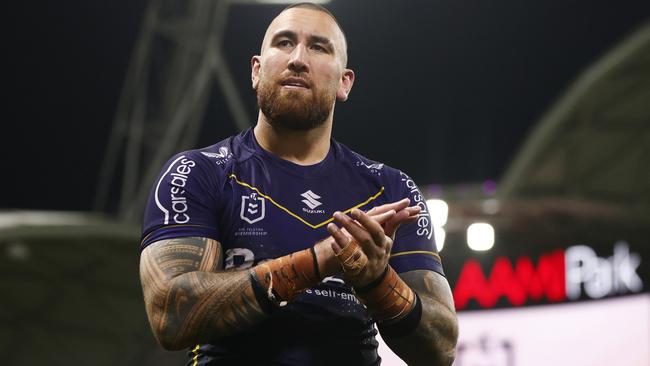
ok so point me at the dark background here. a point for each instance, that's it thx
(445, 90)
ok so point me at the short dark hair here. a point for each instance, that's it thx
(318, 7)
(312, 6)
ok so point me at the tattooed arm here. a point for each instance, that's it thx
(190, 299)
(187, 299)
(434, 340)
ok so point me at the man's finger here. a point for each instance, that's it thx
(358, 232)
(394, 222)
(353, 228)
(414, 210)
(397, 206)
(382, 218)
(340, 239)
(372, 226)
(412, 214)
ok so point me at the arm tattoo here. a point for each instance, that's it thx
(189, 298)
(434, 339)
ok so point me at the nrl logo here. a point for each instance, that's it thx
(253, 208)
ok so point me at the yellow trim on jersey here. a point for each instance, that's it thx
(417, 252)
(195, 359)
(316, 226)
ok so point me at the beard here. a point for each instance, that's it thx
(294, 109)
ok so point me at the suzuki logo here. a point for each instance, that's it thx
(311, 199)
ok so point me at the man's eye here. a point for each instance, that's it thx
(284, 43)
(318, 48)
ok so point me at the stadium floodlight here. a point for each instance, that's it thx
(439, 234)
(480, 236)
(491, 206)
(439, 211)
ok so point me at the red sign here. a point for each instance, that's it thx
(524, 281)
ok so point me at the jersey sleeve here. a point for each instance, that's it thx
(414, 247)
(183, 201)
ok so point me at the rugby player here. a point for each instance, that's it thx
(280, 245)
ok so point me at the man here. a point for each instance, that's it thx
(249, 256)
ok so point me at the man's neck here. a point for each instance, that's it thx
(300, 147)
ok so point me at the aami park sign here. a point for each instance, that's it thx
(576, 272)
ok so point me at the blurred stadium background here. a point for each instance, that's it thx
(526, 125)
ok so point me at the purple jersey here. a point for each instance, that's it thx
(261, 207)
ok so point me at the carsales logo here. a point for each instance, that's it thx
(560, 275)
(177, 181)
(424, 217)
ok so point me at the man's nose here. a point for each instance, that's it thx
(298, 60)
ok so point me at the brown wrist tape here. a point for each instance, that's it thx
(352, 258)
(285, 277)
(391, 299)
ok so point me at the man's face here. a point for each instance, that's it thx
(301, 70)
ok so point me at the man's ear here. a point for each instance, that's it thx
(347, 80)
(255, 71)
